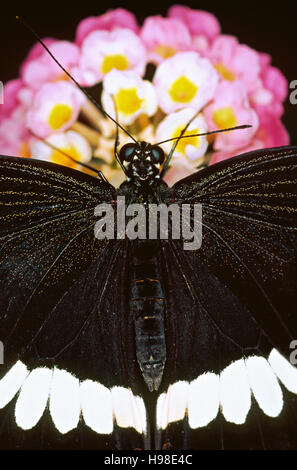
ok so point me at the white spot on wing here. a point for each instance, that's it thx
(64, 401)
(203, 402)
(142, 413)
(126, 410)
(96, 403)
(12, 382)
(264, 385)
(177, 401)
(235, 393)
(162, 411)
(285, 371)
(33, 398)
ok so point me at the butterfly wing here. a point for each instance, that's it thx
(232, 308)
(60, 298)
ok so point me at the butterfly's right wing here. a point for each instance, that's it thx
(62, 316)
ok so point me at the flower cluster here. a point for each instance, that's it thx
(154, 78)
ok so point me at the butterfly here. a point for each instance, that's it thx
(141, 344)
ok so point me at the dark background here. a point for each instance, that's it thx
(266, 26)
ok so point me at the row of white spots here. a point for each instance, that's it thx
(202, 398)
(68, 398)
(230, 391)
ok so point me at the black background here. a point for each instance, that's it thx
(266, 26)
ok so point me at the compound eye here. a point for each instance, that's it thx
(127, 152)
(157, 155)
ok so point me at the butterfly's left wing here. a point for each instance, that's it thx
(232, 309)
(62, 319)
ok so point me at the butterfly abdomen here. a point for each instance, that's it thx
(148, 310)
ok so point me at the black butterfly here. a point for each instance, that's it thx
(140, 344)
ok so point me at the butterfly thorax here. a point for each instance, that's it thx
(146, 193)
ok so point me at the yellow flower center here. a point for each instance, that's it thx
(181, 146)
(183, 90)
(24, 150)
(115, 61)
(62, 77)
(128, 101)
(61, 159)
(60, 115)
(224, 118)
(164, 51)
(225, 73)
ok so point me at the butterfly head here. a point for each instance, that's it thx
(143, 161)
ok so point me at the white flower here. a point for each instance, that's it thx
(185, 80)
(103, 51)
(69, 142)
(191, 148)
(132, 95)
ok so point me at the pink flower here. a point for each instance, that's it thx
(224, 155)
(272, 91)
(235, 61)
(203, 26)
(36, 51)
(271, 133)
(103, 51)
(118, 18)
(14, 136)
(230, 108)
(56, 107)
(39, 67)
(11, 101)
(164, 37)
(13, 131)
(177, 172)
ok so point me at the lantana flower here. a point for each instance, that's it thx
(112, 19)
(131, 95)
(202, 25)
(163, 37)
(190, 149)
(56, 107)
(185, 80)
(70, 142)
(235, 61)
(14, 135)
(39, 68)
(103, 51)
(12, 101)
(230, 108)
(196, 70)
(271, 91)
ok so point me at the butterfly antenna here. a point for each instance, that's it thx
(57, 149)
(73, 79)
(244, 126)
(116, 142)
